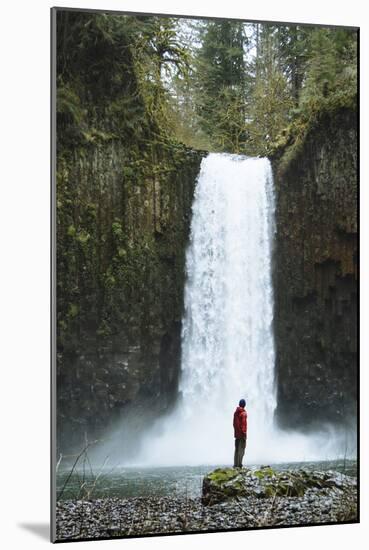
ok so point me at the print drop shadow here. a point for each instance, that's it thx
(40, 529)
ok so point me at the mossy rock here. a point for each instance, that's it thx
(221, 484)
(222, 475)
(265, 482)
(264, 471)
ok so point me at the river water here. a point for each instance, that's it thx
(175, 481)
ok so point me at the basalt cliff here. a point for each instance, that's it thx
(315, 275)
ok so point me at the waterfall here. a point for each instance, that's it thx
(227, 338)
(227, 327)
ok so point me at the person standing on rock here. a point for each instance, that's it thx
(240, 433)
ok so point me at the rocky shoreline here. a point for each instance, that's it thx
(334, 500)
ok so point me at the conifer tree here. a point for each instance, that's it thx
(221, 84)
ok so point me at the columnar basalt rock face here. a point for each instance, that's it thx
(315, 276)
(121, 254)
(123, 205)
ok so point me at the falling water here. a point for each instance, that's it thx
(227, 338)
(227, 332)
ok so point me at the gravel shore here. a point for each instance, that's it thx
(110, 517)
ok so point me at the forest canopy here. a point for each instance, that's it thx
(220, 85)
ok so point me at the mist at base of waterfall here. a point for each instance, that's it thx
(209, 440)
(177, 441)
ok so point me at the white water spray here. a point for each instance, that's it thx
(227, 336)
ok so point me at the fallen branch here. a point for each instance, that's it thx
(73, 468)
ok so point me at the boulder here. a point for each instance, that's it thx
(266, 482)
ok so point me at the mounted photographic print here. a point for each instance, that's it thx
(204, 274)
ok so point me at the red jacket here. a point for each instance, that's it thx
(240, 423)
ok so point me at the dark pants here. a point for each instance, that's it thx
(239, 451)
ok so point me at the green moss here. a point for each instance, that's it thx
(271, 490)
(83, 237)
(71, 231)
(128, 172)
(73, 310)
(291, 141)
(104, 329)
(222, 475)
(263, 472)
